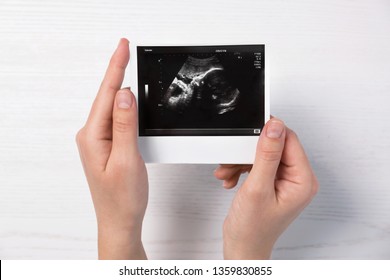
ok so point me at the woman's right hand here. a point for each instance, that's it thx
(280, 185)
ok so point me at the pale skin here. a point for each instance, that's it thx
(279, 186)
(114, 168)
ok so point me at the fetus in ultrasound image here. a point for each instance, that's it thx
(201, 85)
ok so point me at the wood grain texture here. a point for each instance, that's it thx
(329, 82)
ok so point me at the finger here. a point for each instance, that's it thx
(268, 154)
(223, 173)
(231, 182)
(101, 112)
(124, 128)
(226, 171)
(294, 157)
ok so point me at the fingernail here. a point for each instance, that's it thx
(124, 99)
(224, 184)
(275, 129)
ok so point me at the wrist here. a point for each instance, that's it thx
(238, 251)
(244, 245)
(120, 243)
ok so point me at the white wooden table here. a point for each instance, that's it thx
(330, 82)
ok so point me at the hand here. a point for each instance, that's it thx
(279, 186)
(115, 171)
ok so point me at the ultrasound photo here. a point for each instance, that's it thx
(201, 91)
(201, 83)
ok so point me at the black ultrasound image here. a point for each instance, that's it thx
(201, 84)
(194, 91)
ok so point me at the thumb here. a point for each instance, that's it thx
(268, 154)
(124, 126)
